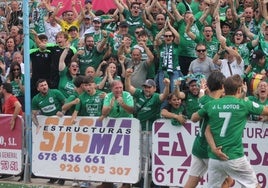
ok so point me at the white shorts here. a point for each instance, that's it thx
(239, 169)
(198, 166)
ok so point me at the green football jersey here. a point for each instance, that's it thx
(66, 85)
(257, 100)
(16, 91)
(200, 144)
(117, 111)
(89, 58)
(132, 21)
(147, 109)
(90, 105)
(70, 99)
(227, 118)
(192, 104)
(48, 104)
(187, 45)
(168, 52)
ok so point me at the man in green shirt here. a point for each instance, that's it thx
(117, 103)
(90, 54)
(147, 107)
(192, 95)
(72, 100)
(187, 45)
(199, 162)
(91, 100)
(227, 118)
(148, 102)
(132, 15)
(49, 102)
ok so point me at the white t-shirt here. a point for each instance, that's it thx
(51, 32)
(235, 67)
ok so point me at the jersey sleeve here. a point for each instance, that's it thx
(203, 111)
(137, 92)
(254, 108)
(107, 100)
(60, 96)
(128, 99)
(78, 106)
(70, 98)
(35, 104)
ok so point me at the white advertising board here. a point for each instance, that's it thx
(172, 146)
(87, 150)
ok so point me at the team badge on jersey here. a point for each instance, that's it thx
(51, 100)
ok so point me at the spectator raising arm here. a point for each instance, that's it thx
(148, 52)
(131, 89)
(176, 13)
(263, 8)
(165, 93)
(188, 28)
(62, 64)
(119, 5)
(174, 31)
(102, 44)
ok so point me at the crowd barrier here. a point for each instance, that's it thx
(111, 150)
(11, 145)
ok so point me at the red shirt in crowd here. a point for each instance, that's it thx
(9, 107)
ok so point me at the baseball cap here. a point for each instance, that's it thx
(123, 24)
(257, 55)
(97, 19)
(149, 83)
(192, 80)
(72, 28)
(87, 17)
(225, 23)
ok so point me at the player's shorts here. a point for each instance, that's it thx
(238, 169)
(198, 166)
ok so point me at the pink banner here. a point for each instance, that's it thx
(11, 145)
(173, 145)
(104, 5)
(10, 139)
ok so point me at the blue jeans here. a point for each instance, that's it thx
(172, 76)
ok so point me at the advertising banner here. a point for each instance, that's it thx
(11, 145)
(172, 146)
(107, 150)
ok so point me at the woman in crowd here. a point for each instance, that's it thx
(241, 44)
(168, 50)
(109, 76)
(16, 78)
(112, 59)
(10, 48)
(261, 97)
(67, 74)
